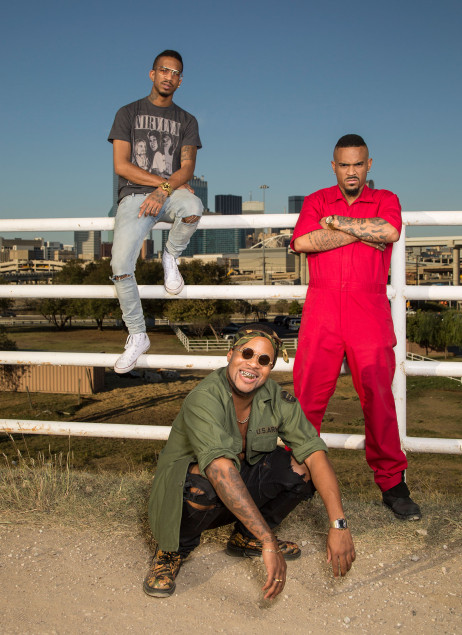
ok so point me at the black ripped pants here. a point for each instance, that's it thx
(275, 488)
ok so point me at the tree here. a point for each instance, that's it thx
(198, 272)
(60, 311)
(5, 303)
(295, 308)
(199, 326)
(261, 309)
(10, 374)
(450, 333)
(243, 307)
(190, 310)
(96, 273)
(282, 306)
(151, 272)
(424, 329)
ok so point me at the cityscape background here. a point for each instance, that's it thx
(273, 85)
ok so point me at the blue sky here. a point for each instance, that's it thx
(272, 84)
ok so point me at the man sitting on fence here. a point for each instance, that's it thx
(221, 465)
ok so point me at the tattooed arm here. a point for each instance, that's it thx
(373, 232)
(322, 240)
(340, 547)
(231, 489)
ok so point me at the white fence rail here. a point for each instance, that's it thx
(398, 292)
(203, 344)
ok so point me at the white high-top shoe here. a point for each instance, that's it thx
(135, 346)
(173, 280)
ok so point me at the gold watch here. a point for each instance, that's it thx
(166, 187)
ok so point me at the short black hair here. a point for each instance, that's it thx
(169, 53)
(350, 141)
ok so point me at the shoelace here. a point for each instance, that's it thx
(166, 561)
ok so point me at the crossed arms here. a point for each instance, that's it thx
(229, 486)
(373, 232)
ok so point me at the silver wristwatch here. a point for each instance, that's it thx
(340, 523)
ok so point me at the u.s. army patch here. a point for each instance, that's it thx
(287, 396)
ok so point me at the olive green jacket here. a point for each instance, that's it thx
(206, 429)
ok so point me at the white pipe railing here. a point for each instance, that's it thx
(398, 293)
(156, 292)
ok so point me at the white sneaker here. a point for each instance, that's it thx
(173, 280)
(135, 346)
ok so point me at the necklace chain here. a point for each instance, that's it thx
(245, 420)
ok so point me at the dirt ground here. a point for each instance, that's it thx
(57, 580)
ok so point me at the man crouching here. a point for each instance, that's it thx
(221, 464)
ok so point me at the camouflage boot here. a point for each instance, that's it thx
(160, 579)
(239, 545)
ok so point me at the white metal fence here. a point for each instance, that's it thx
(398, 293)
(210, 344)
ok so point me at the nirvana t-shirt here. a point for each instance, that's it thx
(156, 136)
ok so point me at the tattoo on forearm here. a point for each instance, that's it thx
(326, 239)
(188, 153)
(369, 229)
(231, 489)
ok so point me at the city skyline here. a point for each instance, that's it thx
(269, 111)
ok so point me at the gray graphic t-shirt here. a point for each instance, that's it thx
(156, 136)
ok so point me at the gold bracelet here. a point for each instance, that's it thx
(166, 187)
(271, 550)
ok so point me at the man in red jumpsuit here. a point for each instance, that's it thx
(347, 232)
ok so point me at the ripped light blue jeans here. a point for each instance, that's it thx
(129, 234)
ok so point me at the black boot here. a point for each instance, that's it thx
(399, 501)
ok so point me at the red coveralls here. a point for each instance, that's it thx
(347, 312)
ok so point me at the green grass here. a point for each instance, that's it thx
(422, 384)
(90, 340)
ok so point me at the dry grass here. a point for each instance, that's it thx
(47, 488)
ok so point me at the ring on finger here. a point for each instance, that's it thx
(277, 580)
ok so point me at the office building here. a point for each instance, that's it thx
(200, 187)
(212, 241)
(295, 204)
(228, 204)
(147, 249)
(87, 245)
(106, 250)
(253, 207)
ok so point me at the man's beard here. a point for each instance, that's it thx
(352, 191)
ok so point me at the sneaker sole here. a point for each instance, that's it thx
(175, 291)
(242, 552)
(158, 593)
(132, 366)
(411, 517)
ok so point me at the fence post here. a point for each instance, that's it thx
(398, 312)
